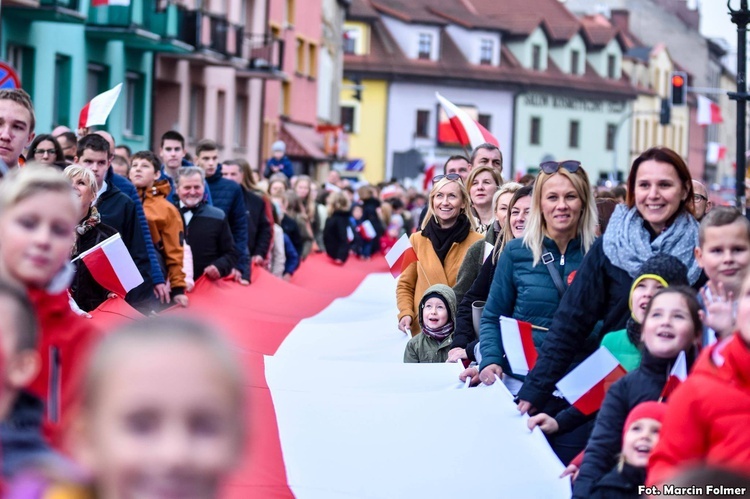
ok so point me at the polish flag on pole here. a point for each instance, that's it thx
(469, 131)
(518, 344)
(112, 266)
(400, 256)
(585, 386)
(367, 231)
(709, 112)
(98, 109)
(677, 375)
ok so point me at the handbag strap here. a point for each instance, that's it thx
(549, 261)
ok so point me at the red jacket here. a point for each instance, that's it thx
(64, 343)
(707, 416)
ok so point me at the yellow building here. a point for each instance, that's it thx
(650, 70)
(364, 102)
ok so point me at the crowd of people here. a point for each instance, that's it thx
(650, 270)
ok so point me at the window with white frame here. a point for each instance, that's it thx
(424, 49)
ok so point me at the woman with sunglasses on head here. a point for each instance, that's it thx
(466, 338)
(46, 150)
(482, 184)
(447, 232)
(656, 219)
(533, 273)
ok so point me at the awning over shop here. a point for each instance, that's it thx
(303, 141)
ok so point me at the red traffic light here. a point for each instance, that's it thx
(678, 80)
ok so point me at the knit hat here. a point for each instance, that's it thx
(665, 268)
(279, 145)
(650, 410)
(446, 294)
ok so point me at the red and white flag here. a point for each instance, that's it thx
(677, 375)
(715, 152)
(112, 266)
(709, 112)
(102, 3)
(98, 109)
(469, 132)
(585, 386)
(367, 231)
(401, 256)
(429, 173)
(518, 344)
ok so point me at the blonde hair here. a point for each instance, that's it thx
(337, 201)
(32, 179)
(506, 188)
(507, 234)
(464, 198)
(307, 202)
(536, 228)
(153, 333)
(73, 172)
(475, 172)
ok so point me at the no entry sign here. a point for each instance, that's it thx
(8, 77)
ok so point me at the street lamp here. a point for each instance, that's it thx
(740, 17)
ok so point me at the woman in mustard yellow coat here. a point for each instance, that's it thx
(447, 233)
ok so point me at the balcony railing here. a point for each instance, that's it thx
(263, 52)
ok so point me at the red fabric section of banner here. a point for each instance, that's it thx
(592, 400)
(527, 340)
(102, 271)
(256, 319)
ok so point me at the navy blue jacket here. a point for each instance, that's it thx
(643, 384)
(258, 227)
(292, 257)
(21, 437)
(227, 196)
(284, 163)
(620, 484)
(157, 276)
(210, 240)
(121, 213)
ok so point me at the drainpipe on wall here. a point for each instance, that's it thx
(513, 134)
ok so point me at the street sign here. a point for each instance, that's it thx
(8, 76)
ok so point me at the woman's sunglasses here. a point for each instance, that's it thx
(450, 176)
(550, 167)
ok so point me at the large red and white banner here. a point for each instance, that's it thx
(333, 412)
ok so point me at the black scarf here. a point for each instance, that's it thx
(442, 239)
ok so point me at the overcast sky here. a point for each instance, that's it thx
(715, 20)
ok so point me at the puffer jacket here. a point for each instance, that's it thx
(707, 415)
(423, 349)
(472, 264)
(167, 231)
(526, 292)
(418, 276)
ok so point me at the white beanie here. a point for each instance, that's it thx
(279, 145)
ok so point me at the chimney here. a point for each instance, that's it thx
(620, 18)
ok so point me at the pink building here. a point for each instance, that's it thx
(290, 107)
(212, 86)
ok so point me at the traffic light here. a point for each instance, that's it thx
(679, 88)
(665, 114)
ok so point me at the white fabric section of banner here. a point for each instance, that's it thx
(355, 421)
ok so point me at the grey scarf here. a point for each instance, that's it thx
(627, 243)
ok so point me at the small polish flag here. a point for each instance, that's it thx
(487, 251)
(518, 344)
(112, 266)
(715, 152)
(98, 109)
(366, 230)
(469, 132)
(709, 112)
(585, 386)
(102, 3)
(400, 256)
(677, 375)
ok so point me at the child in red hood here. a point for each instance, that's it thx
(707, 416)
(38, 216)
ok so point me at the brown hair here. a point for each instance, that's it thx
(663, 155)
(688, 294)
(148, 156)
(19, 96)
